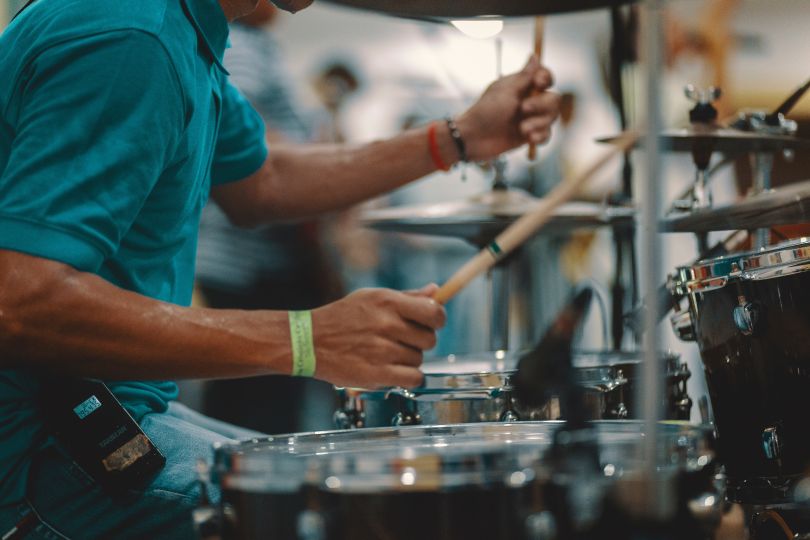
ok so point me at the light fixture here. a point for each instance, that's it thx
(479, 28)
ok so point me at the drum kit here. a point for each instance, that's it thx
(546, 443)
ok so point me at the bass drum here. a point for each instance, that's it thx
(750, 315)
(478, 388)
(443, 482)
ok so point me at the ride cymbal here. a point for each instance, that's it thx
(783, 206)
(480, 218)
(723, 140)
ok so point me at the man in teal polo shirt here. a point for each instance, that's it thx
(116, 123)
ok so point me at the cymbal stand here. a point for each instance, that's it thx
(762, 162)
(703, 114)
(499, 279)
(499, 292)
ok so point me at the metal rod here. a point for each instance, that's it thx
(649, 197)
(762, 165)
(499, 292)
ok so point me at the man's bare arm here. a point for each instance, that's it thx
(300, 181)
(55, 319)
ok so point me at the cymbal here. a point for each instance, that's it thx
(444, 10)
(783, 206)
(723, 140)
(481, 218)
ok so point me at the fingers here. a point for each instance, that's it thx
(544, 103)
(540, 112)
(534, 73)
(416, 336)
(404, 376)
(421, 310)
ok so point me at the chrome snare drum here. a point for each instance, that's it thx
(750, 315)
(478, 388)
(454, 482)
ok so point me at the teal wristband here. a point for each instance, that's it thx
(303, 348)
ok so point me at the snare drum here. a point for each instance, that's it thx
(750, 315)
(440, 482)
(478, 388)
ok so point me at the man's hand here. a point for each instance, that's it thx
(510, 113)
(375, 337)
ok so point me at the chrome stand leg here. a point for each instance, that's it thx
(762, 165)
(499, 307)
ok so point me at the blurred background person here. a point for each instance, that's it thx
(271, 267)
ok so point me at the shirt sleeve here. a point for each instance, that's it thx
(97, 122)
(241, 149)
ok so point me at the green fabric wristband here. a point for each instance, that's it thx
(303, 348)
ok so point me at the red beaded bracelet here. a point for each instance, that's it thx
(433, 145)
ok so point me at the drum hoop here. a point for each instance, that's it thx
(783, 259)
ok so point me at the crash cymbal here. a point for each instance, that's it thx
(481, 218)
(723, 140)
(783, 206)
(444, 10)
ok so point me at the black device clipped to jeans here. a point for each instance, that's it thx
(99, 434)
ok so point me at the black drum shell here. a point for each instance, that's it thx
(474, 505)
(758, 379)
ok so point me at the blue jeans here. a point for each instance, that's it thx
(67, 503)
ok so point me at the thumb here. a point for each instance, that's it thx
(526, 75)
(428, 291)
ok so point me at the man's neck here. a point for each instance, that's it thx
(234, 9)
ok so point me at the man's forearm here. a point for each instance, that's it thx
(304, 180)
(54, 319)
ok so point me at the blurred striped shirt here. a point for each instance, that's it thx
(235, 259)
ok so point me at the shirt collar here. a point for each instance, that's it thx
(211, 25)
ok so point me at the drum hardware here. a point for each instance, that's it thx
(746, 316)
(669, 296)
(744, 311)
(480, 388)
(770, 443)
(703, 114)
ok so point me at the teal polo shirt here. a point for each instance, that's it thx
(116, 117)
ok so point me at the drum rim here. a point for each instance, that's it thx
(785, 258)
(246, 468)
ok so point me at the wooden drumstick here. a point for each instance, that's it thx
(528, 224)
(538, 51)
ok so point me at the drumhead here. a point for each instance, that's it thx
(433, 457)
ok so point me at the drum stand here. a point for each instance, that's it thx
(499, 285)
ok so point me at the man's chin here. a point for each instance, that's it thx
(291, 5)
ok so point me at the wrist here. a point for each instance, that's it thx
(441, 148)
(467, 129)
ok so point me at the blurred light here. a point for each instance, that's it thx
(479, 28)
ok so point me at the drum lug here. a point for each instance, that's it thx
(619, 412)
(746, 316)
(682, 325)
(770, 443)
(349, 419)
(510, 416)
(406, 419)
(310, 526)
(541, 526)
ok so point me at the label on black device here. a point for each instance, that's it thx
(99, 433)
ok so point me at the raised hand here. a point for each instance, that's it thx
(509, 114)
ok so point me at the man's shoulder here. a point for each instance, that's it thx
(56, 21)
